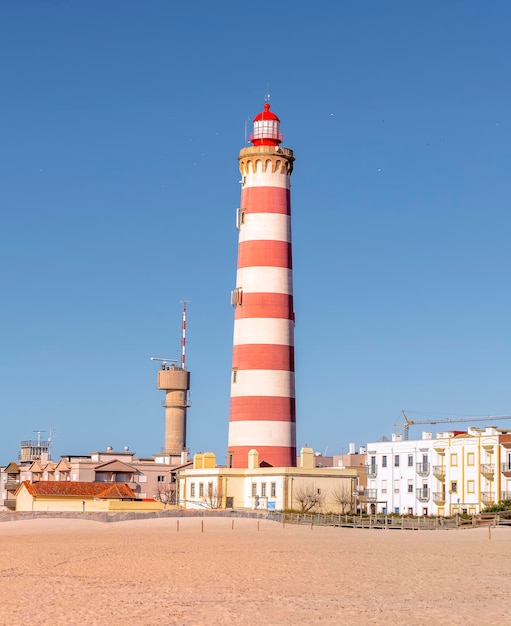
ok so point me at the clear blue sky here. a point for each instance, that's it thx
(121, 122)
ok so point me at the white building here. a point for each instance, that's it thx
(453, 472)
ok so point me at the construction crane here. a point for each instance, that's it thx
(448, 420)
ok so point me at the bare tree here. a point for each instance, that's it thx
(166, 493)
(213, 497)
(342, 495)
(309, 498)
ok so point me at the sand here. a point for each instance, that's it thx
(146, 572)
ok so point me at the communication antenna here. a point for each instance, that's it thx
(39, 436)
(163, 360)
(183, 334)
(267, 94)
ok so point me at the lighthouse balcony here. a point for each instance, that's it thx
(266, 150)
(266, 133)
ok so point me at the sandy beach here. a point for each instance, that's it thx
(216, 571)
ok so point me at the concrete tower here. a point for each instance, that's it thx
(263, 414)
(175, 381)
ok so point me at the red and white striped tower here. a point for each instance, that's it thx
(183, 336)
(263, 413)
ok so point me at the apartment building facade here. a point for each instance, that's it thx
(148, 478)
(454, 472)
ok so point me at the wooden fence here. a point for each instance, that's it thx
(390, 522)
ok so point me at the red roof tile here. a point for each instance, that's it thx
(79, 489)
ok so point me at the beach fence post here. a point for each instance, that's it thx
(202, 525)
(177, 525)
(489, 531)
(257, 525)
(232, 524)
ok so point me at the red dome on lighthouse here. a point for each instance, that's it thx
(266, 114)
(266, 128)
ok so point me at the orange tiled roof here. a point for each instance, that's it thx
(79, 489)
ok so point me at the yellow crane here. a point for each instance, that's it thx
(448, 420)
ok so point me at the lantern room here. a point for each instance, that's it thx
(266, 129)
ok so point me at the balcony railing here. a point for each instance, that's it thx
(487, 497)
(488, 469)
(372, 470)
(505, 495)
(439, 497)
(12, 485)
(370, 495)
(423, 469)
(439, 472)
(505, 468)
(423, 494)
(129, 480)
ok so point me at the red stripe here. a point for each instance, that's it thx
(272, 408)
(265, 200)
(263, 357)
(275, 456)
(271, 305)
(262, 252)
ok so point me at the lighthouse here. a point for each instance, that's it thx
(262, 409)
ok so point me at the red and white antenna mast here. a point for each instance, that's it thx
(183, 335)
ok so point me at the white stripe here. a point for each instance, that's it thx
(263, 330)
(266, 179)
(267, 226)
(265, 279)
(275, 383)
(256, 433)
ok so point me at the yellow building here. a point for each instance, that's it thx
(79, 496)
(307, 488)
